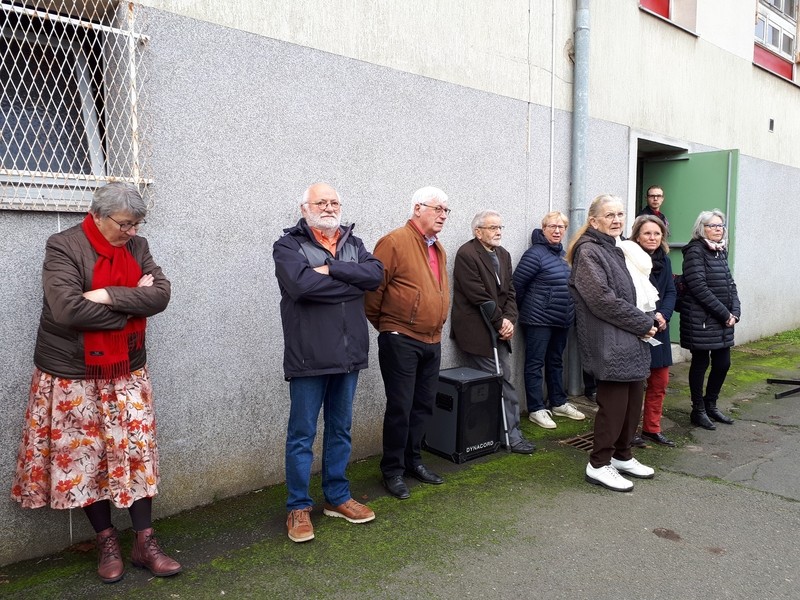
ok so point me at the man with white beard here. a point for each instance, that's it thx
(323, 271)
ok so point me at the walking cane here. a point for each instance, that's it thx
(487, 310)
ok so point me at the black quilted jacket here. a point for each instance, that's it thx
(711, 298)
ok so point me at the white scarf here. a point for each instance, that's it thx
(639, 266)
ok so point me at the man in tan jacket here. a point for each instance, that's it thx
(409, 309)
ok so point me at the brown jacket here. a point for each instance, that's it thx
(475, 282)
(67, 272)
(410, 300)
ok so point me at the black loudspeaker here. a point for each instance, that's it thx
(466, 419)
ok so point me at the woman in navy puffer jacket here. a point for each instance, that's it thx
(546, 312)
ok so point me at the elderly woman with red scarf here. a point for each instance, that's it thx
(89, 434)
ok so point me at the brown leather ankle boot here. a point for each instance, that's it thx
(149, 555)
(110, 567)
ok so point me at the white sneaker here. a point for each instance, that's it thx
(608, 477)
(542, 419)
(633, 468)
(569, 411)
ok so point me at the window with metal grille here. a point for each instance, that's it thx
(70, 98)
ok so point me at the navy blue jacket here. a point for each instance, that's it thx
(711, 298)
(661, 356)
(324, 326)
(540, 281)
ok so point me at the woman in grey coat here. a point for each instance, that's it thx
(612, 338)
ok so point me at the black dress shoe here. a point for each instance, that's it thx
(638, 442)
(396, 487)
(422, 473)
(658, 438)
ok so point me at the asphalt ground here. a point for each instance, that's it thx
(720, 519)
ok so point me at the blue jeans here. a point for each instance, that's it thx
(544, 349)
(334, 394)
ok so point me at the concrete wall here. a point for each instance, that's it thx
(235, 135)
(645, 73)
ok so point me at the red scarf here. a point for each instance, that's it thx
(106, 352)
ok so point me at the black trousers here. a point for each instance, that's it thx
(720, 363)
(410, 371)
(619, 408)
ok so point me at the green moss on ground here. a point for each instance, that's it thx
(239, 546)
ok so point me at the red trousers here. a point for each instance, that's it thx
(654, 399)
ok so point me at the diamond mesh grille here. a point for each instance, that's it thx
(70, 99)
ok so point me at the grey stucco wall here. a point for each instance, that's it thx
(238, 126)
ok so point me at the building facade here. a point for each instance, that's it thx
(223, 112)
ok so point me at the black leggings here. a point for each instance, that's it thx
(141, 511)
(720, 363)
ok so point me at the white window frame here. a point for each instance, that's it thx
(786, 27)
(59, 191)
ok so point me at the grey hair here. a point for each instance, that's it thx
(595, 208)
(704, 218)
(480, 218)
(118, 197)
(304, 199)
(424, 194)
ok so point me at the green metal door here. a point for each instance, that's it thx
(693, 183)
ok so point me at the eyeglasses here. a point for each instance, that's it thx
(437, 209)
(655, 195)
(612, 216)
(323, 204)
(714, 225)
(492, 227)
(123, 227)
(553, 227)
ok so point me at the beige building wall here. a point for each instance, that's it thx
(644, 72)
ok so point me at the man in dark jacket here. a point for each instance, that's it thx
(323, 271)
(482, 273)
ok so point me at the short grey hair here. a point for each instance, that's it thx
(703, 219)
(423, 195)
(118, 197)
(480, 218)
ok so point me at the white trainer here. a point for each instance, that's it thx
(568, 410)
(608, 477)
(542, 419)
(633, 468)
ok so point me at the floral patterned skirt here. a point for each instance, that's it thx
(87, 440)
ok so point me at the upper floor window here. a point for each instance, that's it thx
(69, 104)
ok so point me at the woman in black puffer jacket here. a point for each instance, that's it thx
(709, 311)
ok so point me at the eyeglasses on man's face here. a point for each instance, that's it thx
(715, 225)
(323, 204)
(555, 227)
(655, 195)
(492, 227)
(125, 227)
(437, 209)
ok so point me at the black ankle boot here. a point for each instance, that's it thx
(717, 415)
(700, 418)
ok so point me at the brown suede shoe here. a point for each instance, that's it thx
(110, 567)
(353, 511)
(148, 554)
(298, 523)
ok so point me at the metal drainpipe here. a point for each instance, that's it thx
(579, 164)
